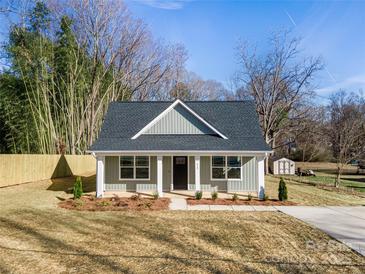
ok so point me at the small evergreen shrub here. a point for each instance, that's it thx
(282, 191)
(214, 195)
(155, 195)
(249, 197)
(198, 195)
(235, 197)
(104, 203)
(266, 197)
(77, 190)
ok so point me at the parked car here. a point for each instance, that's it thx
(354, 162)
(306, 172)
(361, 167)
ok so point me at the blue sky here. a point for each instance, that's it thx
(210, 30)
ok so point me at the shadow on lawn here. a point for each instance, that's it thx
(201, 258)
(66, 184)
(358, 180)
(121, 236)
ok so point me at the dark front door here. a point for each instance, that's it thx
(180, 172)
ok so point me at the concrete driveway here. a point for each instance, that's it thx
(346, 224)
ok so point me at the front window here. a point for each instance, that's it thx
(134, 167)
(226, 167)
(233, 167)
(218, 167)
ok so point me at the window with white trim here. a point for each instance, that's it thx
(134, 167)
(225, 167)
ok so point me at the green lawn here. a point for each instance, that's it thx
(38, 237)
(326, 174)
(349, 180)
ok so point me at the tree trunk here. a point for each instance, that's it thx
(338, 177)
(267, 158)
(267, 165)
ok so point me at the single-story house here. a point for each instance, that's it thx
(169, 146)
(282, 166)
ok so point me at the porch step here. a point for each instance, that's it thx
(178, 204)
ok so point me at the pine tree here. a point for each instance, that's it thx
(77, 190)
(283, 191)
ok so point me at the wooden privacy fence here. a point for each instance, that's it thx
(22, 168)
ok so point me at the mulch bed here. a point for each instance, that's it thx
(135, 203)
(254, 202)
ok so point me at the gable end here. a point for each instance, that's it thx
(178, 118)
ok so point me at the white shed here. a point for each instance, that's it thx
(283, 166)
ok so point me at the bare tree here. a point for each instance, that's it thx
(106, 55)
(127, 63)
(346, 129)
(310, 140)
(278, 82)
(189, 86)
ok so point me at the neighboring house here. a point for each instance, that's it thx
(166, 146)
(282, 166)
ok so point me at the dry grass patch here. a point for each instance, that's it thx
(164, 242)
(305, 194)
(36, 236)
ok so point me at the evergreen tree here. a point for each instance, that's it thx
(282, 191)
(77, 189)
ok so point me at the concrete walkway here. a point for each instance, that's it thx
(181, 204)
(346, 224)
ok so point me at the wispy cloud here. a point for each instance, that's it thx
(352, 83)
(164, 4)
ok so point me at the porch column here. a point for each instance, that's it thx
(100, 175)
(197, 173)
(260, 162)
(159, 176)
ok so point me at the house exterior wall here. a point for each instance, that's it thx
(179, 121)
(112, 181)
(248, 180)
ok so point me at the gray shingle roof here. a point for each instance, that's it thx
(235, 119)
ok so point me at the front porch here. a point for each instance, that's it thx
(180, 175)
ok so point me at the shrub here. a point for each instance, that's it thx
(235, 197)
(282, 191)
(77, 190)
(266, 197)
(115, 198)
(136, 197)
(148, 205)
(78, 203)
(214, 195)
(249, 197)
(104, 203)
(155, 195)
(198, 195)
